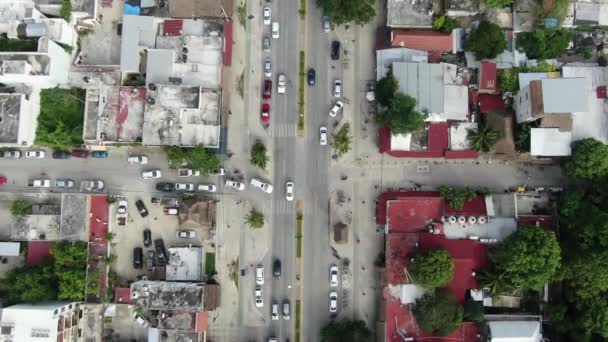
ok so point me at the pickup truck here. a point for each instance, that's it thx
(39, 183)
(187, 172)
(122, 214)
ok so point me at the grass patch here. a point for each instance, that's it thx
(240, 84)
(61, 118)
(299, 222)
(297, 329)
(242, 10)
(210, 264)
(17, 45)
(301, 90)
(302, 9)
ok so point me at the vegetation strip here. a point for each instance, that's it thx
(301, 90)
(302, 10)
(210, 264)
(297, 329)
(299, 220)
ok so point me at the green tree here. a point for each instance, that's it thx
(345, 331)
(341, 142)
(587, 274)
(589, 160)
(457, 198)
(31, 284)
(432, 269)
(21, 207)
(386, 88)
(176, 156)
(60, 119)
(203, 160)
(345, 11)
(473, 311)
(70, 268)
(529, 258)
(438, 314)
(498, 3)
(255, 218)
(259, 157)
(66, 10)
(544, 43)
(483, 139)
(401, 115)
(444, 23)
(486, 41)
(496, 282)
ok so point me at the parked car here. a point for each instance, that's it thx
(259, 297)
(267, 67)
(323, 135)
(282, 84)
(267, 15)
(335, 110)
(2, 180)
(170, 211)
(151, 174)
(335, 50)
(141, 207)
(337, 88)
(121, 213)
(289, 190)
(266, 43)
(265, 116)
(64, 183)
(99, 154)
(12, 154)
(80, 153)
(276, 268)
(150, 260)
(235, 185)
(266, 187)
(218, 172)
(259, 275)
(138, 257)
(137, 160)
(185, 234)
(147, 238)
(312, 76)
(39, 183)
(207, 188)
(267, 94)
(326, 24)
(275, 311)
(35, 154)
(333, 301)
(187, 172)
(161, 253)
(275, 30)
(286, 311)
(92, 185)
(184, 187)
(333, 276)
(62, 155)
(165, 186)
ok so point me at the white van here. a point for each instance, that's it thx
(259, 275)
(267, 188)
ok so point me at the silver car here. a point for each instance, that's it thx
(337, 88)
(323, 135)
(64, 183)
(326, 24)
(267, 68)
(266, 43)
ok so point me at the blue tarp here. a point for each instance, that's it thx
(132, 10)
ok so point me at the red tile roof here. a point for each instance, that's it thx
(425, 40)
(488, 78)
(36, 251)
(202, 321)
(491, 103)
(383, 199)
(227, 51)
(122, 295)
(399, 248)
(172, 27)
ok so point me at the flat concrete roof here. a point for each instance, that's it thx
(185, 264)
(565, 95)
(550, 142)
(137, 32)
(409, 14)
(10, 114)
(164, 295)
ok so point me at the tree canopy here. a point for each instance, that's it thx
(345, 11)
(544, 43)
(255, 218)
(457, 198)
(61, 118)
(486, 41)
(199, 158)
(21, 207)
(345, 331)
(30, 284)
(259, 157)
(342, 140)
(70, 269)
(401, 115)
(444, 23)
(589, 160)
(498, 3)
(432, 269)
(482, 140)
(386, 88)
(438, 314)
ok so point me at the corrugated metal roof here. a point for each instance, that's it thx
(565, 95)
(172, 27)
(488, 81)
(9, 248)
(423, 82)
(426, 40)
(515, 331)
(137, 31)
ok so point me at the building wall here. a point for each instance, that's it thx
(523, 105)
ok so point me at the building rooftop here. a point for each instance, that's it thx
(137, 32)
(432, 41)
(409, 14)
(185, 264)
(565, 95)
(587, 13)
(386, 57)
(550, 142)
(459, 132)
(162, 295)
(200, 8)
(461, 7)
(515, 331)
(488, 82)
(10, 114)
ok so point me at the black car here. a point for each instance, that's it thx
(161, 254)
(138, 257)
(147, 238)
(311, 77)
(165, 186)
(62, 155)
(141, 208)
(335, 50)
(276, 268)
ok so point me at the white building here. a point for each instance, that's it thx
(50, 322)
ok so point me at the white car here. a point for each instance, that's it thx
(234, 185)
(335, 110)
(259, 300)
(275, 30)
(185, 234)
(122, 207)
(326, 24)
(289, 190)
(64, 183)
(275, 311)
(40, 183)
(184, 187)
(137, 160)
(333, 276)
(323, 135)
(267, 67)
(266, 15)
(281, 84)
(266, 187)
(333, 301)
(151, 174)
(207, 188)
(337, 88)
(36, 154)
(259, 275)
(286, 310)
(92, 185)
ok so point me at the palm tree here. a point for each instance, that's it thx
(259, 157)
(483, 139)
(495, 281)
(255, 218)
(342, 140)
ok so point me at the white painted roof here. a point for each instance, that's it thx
(565, 95)
(550, 142)
(515, 331)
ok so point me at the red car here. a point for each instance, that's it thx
(265, 112)
(80, 153)
(2, 180)
(267, 89)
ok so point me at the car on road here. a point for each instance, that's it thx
(266, 187)
(323, 135)
(141, 207)
(138, 257)
(265, 115)
(81, 154)
(312, 76)
(151, 174)
(150, 260)
(275, 30)
(165, 186)
(289, 190)
(275, 311)
(337, 88)
(147, 238)
(267, 94)
(259, 275)
(235, 185)
(286, 311)
(170, 210)
(40, 183)
(326, 24)
(333, 301)
(92, 185)
(335, 110)
(267, 15)
(64, 183)
(282, 84)
(333, 276)
(259, 297)
(137, 317)
(99, 154)
(276, 268)
(207, 188)
(35, 154)
(12, 154)
(184, 187)
(161, 253)
(335, 50)
(268, 67)
(137, 160)
(62, 155)
(2, 180)
(185, 234)
(266, 44)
